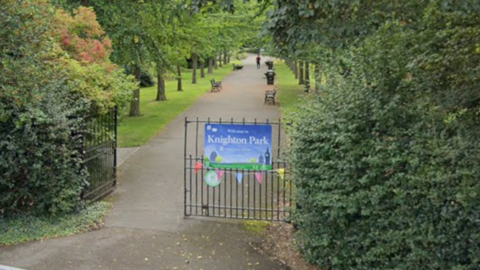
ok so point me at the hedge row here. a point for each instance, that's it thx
(387, 159)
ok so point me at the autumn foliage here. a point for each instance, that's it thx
(87, 50)
(55, 69)
(82, 36)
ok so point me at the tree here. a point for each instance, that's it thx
(307, 71)
(202, 69)
(170, 16)
(194, 67)
(179, 78)
(127, 24)
(161, 95)
(301, 74)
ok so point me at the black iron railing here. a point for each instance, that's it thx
(99, 137)
(237, 197)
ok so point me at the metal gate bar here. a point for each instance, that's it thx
(99, 137)
(246, 199)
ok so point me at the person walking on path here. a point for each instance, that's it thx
(258, 61)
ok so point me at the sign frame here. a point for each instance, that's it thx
(238, 146)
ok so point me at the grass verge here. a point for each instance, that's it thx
(290, 92)
(136, 131)
(256, 226)
(20, 229)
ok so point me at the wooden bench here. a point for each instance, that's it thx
(218, 83)
(270, 96)
(216, 86)
(237, 67)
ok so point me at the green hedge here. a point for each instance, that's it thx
(379, 186)
(387, 159)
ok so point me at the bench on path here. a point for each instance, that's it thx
(218, 83)
(237, 67)
(216, 86)
(270, 96)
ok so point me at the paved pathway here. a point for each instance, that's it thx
(146, 228)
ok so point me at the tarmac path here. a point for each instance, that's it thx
(146, 228)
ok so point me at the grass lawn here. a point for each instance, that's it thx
(289, 91)
(136, 131)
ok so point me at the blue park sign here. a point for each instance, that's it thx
(229, 146)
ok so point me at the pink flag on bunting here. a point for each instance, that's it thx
(259, 177)
(198, 166)
(219, 173)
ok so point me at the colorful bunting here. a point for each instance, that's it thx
(198, 166)
(219, 173)
(212, 179)
(239, 177)
(259, 177)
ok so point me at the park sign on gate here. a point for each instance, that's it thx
(231, 146)
(233, 169)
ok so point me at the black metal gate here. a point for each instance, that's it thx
(245, 198)
(99, 137)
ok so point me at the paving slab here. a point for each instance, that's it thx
(146, 228)
(124, 153)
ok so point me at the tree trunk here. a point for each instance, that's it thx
(210, 65)
(225, 55)
(228, 59)
(179, 78)
(318, 77)
(300, 73)
(215, 62)
(307, 70)
(202, 69)
(295, 69)
(194, 68)
(135, 103)
(220, 60)
(161, 95)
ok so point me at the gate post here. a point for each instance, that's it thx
(114, 145)
(185, 169)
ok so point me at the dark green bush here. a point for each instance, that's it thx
(385, 185)
(39, 154)
(146, 80)
(387, 160)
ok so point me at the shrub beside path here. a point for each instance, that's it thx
(146, 228)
